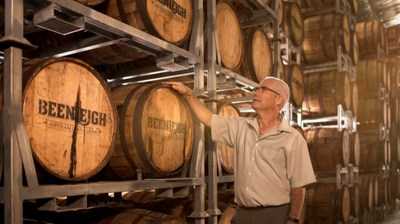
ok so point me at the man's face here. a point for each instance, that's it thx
(265, 98)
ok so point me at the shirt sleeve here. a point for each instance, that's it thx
(299, 167)
(224, 129)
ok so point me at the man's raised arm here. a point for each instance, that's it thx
(201, 111)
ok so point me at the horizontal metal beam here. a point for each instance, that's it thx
(152, 77)
(102, 21)
(51, 191)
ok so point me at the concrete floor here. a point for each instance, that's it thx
(393, 218)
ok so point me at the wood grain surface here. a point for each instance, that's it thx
(374, 153)
(354, 54)
(230, 35)
(370, 74)
(295, 79)
(326, 204)
(226, 153)
(322, 34)
(328, 147)
(156, 132)
(366, 192)
(324, 91)
(370, 34)
(70, 117)
(257, 63)
(355, 149)
(355, 200)
(293, 23)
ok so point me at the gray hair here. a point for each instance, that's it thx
(282, 88)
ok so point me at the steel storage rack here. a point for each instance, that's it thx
(69, 16)
(220, 76)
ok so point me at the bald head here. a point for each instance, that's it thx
(279, 86)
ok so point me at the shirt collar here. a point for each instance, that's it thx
(283, 126)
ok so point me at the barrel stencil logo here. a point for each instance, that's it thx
(70, 117)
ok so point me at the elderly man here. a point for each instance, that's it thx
(271, 160)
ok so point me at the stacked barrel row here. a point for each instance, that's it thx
(327, 33)
(70, 110)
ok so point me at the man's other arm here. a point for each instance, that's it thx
(297, 196)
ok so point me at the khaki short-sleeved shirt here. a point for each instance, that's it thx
(266, 168)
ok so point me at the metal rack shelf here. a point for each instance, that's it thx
(56, 16)
(289, 110)
(342, 64)
(344, 119)
(350, 174)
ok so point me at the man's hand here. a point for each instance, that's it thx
(182, 89)
(197, 107)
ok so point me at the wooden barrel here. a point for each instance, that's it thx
(183, 207)
(139, 196)
(393, 80)
(373, 112)
(140, 216)
(373, 153)
(281, 11)
(354, 48)
(90, 3)
(370, 34)
(354, 200)
(323, 4)
(375, 190)
(225, 152)
(158, 18)
(386, 45)
(67, 108)
(294, 78)
(370, 74)
(293, 23)
(394, 180)
(389, 70)
(355, 149)
(323, 33)
(327, 204)
(354, 99)
(155, 132)
(227, 197)
(228, 211)
(325, 91)
(328, 147)
(382, 192)
(394, 110)
(388, 154)
(388, 117)
(394, 142)
(389, 189)
(299, 129)
(366, 193)
(257, 63)
(393, 35)
(230, 35)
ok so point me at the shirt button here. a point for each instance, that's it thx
(249, 173)
(257, 144)
(253, 158)
(247, 188)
